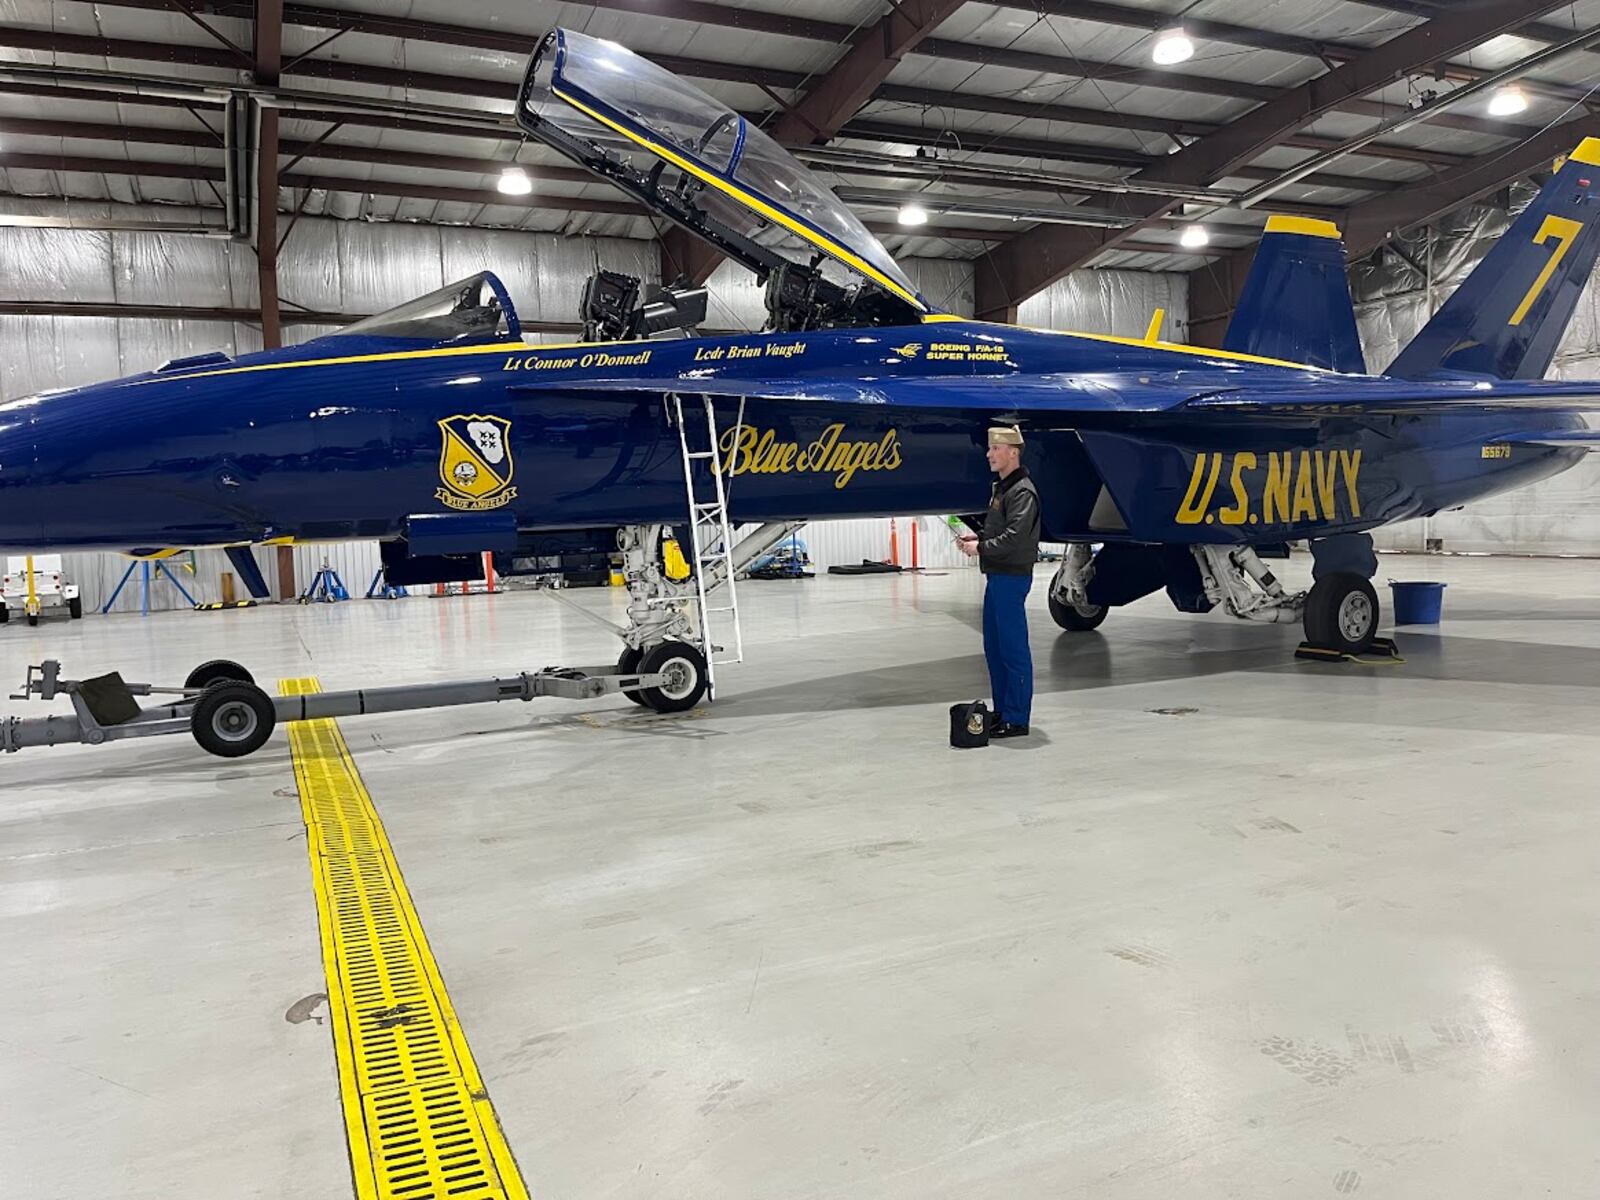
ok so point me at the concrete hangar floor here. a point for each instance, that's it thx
(1228, 925)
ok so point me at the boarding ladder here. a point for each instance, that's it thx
(710, 535)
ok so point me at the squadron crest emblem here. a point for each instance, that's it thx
(475, 463)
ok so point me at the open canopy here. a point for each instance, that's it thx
(476, 309)
(745, 180)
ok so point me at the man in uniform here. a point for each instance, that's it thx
(1006, 553)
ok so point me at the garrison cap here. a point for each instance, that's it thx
(1005, 435)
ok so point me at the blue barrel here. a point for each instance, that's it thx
(1417, 603)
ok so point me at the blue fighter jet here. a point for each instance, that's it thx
(439, 430)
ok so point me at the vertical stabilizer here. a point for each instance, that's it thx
(1507, 318)
(1296, 299)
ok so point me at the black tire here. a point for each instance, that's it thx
(1075, 619)
(232, 719)
(686, 664)
(1342, 613)
(216, 670)
(628, 664)
(5, 612)
(75, 608)
(33, 618)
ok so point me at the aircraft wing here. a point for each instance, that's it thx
(1046, 396)
(1586, 438)
(1068, 395)
(1333, 396)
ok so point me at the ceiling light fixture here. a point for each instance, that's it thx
(514, 181)
(1507, 102)
(1172, 46)
(1193, 237)
(912, 214)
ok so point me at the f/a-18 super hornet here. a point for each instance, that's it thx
(439, 430)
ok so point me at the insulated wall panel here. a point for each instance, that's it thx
(1114, 302)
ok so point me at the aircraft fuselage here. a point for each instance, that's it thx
(335, 441)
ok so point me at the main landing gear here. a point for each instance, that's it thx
(1340, 613)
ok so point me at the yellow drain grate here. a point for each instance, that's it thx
(419, 1123)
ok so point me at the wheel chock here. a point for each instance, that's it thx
(1382, 653)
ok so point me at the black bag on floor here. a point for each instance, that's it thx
(969, 725)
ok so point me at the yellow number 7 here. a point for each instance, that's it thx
(1564, 231)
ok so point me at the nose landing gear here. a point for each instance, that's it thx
(683, 669)
(660, 629)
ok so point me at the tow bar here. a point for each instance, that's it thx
(228, 715)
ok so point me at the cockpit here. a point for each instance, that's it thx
(467, 311)
(698, 163)
(693, 160)
(478, 310)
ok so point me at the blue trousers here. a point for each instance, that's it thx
(1005, 645)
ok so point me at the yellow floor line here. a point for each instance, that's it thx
(419, 1122)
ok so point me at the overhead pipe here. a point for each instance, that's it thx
(1418, 116)
(334, 103)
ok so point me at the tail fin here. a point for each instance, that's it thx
(1296, 300)
(1507, 318)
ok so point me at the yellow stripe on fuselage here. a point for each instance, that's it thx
(386, 356)
(1169, 347)
(528, 348)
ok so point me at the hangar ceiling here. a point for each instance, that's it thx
(1036, 136)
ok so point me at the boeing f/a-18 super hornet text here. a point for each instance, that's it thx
(439, 430)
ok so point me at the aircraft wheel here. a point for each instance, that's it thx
(33, 618)
(628, 664)
(685, 669)
(75, 608)
(1077, 618)
(232, 719)
(215, 670)
(5, 613)
(1342, 613)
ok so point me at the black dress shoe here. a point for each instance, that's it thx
(1004, 729)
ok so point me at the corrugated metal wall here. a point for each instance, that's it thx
(326, 266)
